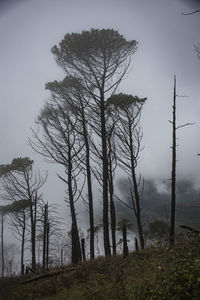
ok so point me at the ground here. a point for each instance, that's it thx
(155, 273)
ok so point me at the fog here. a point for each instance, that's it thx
(30, 28)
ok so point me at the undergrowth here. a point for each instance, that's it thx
(155, 273)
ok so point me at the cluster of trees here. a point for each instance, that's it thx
(92, 130)
(29, 217)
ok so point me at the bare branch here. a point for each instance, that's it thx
(191, 13)
(187, 124)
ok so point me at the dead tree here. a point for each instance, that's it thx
(173, 172)
(173, 177)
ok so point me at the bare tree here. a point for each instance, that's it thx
(127, 111)
(69, 92)
(20, 183)
(173, 172)
(49, 229)
(61, 144)
(60, 250)
(100, 59)
(18, 218)
(173, 177)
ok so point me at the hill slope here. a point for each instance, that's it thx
(156, 273)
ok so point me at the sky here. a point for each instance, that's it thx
(30, 28)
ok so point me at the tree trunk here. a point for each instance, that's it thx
(111, 192)
(61, 257)
(47, 244)
(76, 248)
(33, 235)
(113, 224)
(136, 193)
(105, 182)
(22, 245)
(33, 249)
(173, 178)
(76, 255)
(2, 244)
(89, 184)
(137, 208)
(44, 238)
(83, 249)
(125, 245)
(136, 245)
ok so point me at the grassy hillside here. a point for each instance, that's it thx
(156, 273)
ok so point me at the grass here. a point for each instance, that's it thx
(155, 273)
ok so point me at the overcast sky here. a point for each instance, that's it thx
(29, 29)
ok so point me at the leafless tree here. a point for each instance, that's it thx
(61, 143)
(20, 183)
(127, 110)
(69, 92)
(50, 227)
(173, 172)
(18, 218)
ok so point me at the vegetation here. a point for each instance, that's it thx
(92, 131)
(153, 273)
(83, 121)
(22, 186)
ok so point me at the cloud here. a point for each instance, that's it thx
(7, 5)
(193, 4)
(155, 201)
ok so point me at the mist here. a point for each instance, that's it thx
(155, 201)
